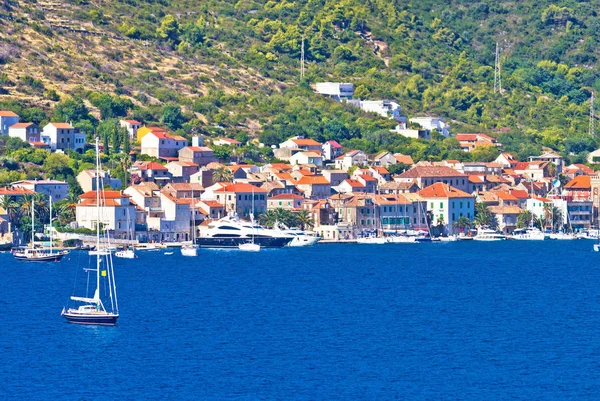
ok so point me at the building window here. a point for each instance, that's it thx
(441, 205)
(461, 206)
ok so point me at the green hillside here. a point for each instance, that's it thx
(236, 66)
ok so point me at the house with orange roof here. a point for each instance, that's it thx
(7, 120)
(351, 158)
(132, 127)
(314, 186)
(307, 157)
(468, 142)
(426, 175)
(211, 209)
(381, 174)
(403, 159)
(577, 202)
(506, 160)
(575, 170)
(506, 216)
(183, 190)
(550, 157)
(384, 159)
(395, 187)
(162, 145)
(350, 186)
(200, 155)
(151, 171)
(238, 198)
(447, 204)
(141, 132)
(227, 142)
(399, 213)
(368, 181)
(64, 136)
(115, 212)
(476, 184)
(304, 144)
(285, 201)
(27, 132)
(14, 193)
(182, 171)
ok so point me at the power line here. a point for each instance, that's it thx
(497, 72)
(302, 59)
(592, 128)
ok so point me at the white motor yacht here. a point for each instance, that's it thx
(562, 236)
(487, 234)
(230, 232)
(301, 238)
(528, 234)
(402, 239)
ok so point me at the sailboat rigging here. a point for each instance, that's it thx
(191, 249)
(94, 311)
(251, 246)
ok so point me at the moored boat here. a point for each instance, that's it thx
(487, 234)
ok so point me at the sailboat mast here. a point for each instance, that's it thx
(97, 218)
(50, 224)
(32, 223)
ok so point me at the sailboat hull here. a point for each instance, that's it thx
(55, 257)
(108, 319)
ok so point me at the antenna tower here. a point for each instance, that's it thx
(497, 72)
(592, 118)
(302, 59)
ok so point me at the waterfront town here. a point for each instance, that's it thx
(342, 194)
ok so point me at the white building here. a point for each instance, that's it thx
(349, 159)
(58, 190)
(385, 108)
(162, 145)
(447, 204)
(431, 123)
(27, 132)
(307, 158)
(7, 120)
(116, 213)
(132, 127)
(336, 90)
(64, 136)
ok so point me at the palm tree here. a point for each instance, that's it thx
(524, 219)
(462, 222)
(67, 210)
(222, 174)
(484, 217)
(304, 219)
(10, 206)
(42, 208)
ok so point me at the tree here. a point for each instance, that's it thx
(11, 207)
(222, 174)
(484, 217)
(305, 219)
(57, 167)
(168, 30)
(172, 116)
(462, 223)
(524, 219)
(221, 152)
(71, 110)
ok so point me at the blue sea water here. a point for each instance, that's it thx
(470, 321)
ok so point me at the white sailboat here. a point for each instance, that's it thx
(34, 254)
(191, 249)
(94, 311)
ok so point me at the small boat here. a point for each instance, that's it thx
(249, 247)
(169, 253)
(150, 247)
(128, 253)
(450, 238)
(562, 236)
(371, 240)
(189, 250)
(402, 239)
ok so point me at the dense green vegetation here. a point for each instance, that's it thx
(432, 57)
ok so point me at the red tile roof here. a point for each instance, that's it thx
(132, 122)
(580, 182)
(473, 179)
(431, 171)
(441, 190)
(312, 180)
(367, 177)
(104, 194)
(62, 125)
(287, 196)
(334, 144)
(199, 148)
(241, 187)
(7, 113)
(21, 125)
(354, 183)
(152, 166)
(306, 142)
(474, 137)
(15, 191)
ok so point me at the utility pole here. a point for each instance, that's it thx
(592, 122)
(302, 59)
(497, 72)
